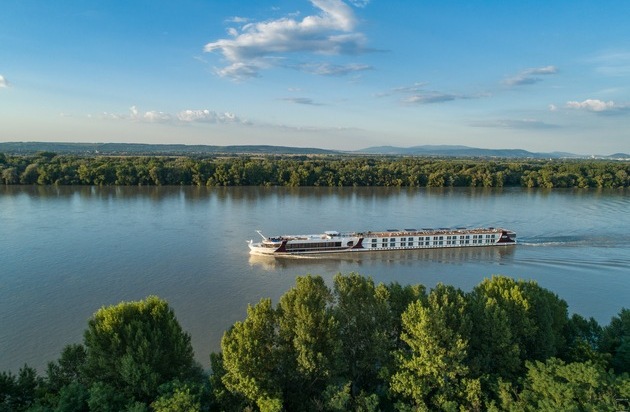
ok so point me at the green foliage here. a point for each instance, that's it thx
(505, 346)
(134, 347)
(616, 341)
(532, 318)
(365, 320)
(19, 393)
(556, 386)
(48, 168)
(308, 340)
(583, 341)
(250, 356)
(432, 372)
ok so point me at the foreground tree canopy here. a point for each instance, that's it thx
(354, 345)
(48, 168)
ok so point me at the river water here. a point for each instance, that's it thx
(67, 251)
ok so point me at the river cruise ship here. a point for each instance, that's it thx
(393, 239)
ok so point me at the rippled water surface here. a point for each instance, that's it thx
(65, 251)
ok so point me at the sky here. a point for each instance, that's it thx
(542, 76)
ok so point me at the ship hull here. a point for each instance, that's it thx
(363, 242)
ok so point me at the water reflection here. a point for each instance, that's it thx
(496, 255)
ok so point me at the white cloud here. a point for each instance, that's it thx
(207, 116)
(182, 117)
(3, 82)
(529, 76)
(594, 105)
(257, 46)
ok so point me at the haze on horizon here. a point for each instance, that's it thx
(331, 74)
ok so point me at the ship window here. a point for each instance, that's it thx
(385, 240)
(441, 238)
(426, 243)
(392, 244)
(373, 240)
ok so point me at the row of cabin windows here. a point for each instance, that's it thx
(437, 240)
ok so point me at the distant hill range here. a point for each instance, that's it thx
(465, 151)
(137, 149)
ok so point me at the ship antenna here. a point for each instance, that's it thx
(263, 236)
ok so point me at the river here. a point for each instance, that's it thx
(67, 251)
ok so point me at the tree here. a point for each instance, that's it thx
(535, 316)
(309, 342)
(134, 347)
(250, 358)
(10, 175)
(616, 341)
(556, 386)
(432, 373)
(68, 369)
(365, 323)
(19, 393)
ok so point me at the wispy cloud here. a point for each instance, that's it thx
(327, 69)
(432, 97)
(530, 76)
(419, 94)
(3, 82)
(526, 124)
(237, 19)
(613, 63)
(301, 100)
(261, 45)
(598, 106)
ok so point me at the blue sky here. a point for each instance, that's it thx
(536, 75)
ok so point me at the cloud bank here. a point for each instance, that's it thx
(183, 117)
(258, 46)
(3, 82)
(530, 76)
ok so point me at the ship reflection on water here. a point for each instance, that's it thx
(490, 254)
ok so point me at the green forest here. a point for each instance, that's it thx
(353, 345)
(48, 168)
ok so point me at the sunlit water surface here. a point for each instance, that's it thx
(67, 251)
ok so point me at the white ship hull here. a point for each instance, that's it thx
(406, 239)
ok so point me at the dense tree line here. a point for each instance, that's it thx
(48, 168)
(504, 346)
